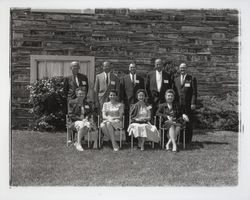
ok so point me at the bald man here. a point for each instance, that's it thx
(74, 81)
(157, 82)
(185, 86)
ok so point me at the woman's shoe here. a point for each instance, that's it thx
(174, 149)
(142, 149)
(167, 147)
(79, 147)
(116, 149)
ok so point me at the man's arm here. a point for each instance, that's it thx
(65, 86)
(147, 86)
(194, 95)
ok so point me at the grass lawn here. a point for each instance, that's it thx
(42, 159)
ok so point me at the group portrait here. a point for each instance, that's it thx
(124, 97)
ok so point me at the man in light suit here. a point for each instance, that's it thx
(157, 82)
(185, 86)
(74, 81)
(130, 83)
(104, 82)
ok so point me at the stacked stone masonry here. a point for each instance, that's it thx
(207, 40)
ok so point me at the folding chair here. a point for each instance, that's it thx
(162, 130)
(71, 133)
(119, 134)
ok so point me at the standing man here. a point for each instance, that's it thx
(104, 82)
(130, 83)
(74, 81)
(157, 82)
(186, 95)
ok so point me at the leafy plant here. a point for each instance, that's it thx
(48, 103)
(218, 113)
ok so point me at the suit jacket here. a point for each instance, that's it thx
(164, 111)
(70, 85)
(74, 110)
(186, 94)
(128, 89)
(102, 89)
(154, 96)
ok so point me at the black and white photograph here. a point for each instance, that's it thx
(147, 99)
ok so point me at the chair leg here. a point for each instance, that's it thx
(184, 139)
(88, 138)
(132, 140)
(120, 138)
(99, 137)
(163, 137)
(178, 139)
(67, 136)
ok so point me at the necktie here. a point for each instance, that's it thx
(182, 79)
(107, 79)
(133, 79)
(77, 82)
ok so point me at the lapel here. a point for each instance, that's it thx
(154, 81)
(103, 79)
(162, 80)
(74, 81)
(129, 81)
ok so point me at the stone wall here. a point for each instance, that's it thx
(207, 40)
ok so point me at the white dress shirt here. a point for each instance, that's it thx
(183, 78)
(131, 77)
(158, 80)
(107, 76)
(77, 81)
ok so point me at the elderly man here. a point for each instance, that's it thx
(130, 83)
(185, 86)
(74, 81)
(104, 82)
(157, 82)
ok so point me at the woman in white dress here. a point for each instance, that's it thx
(112, 113)
(140, 115)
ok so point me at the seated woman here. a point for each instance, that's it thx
(112, 113)
(172, 118)
(79, 111)
(140, 116)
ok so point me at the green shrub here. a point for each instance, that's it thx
(218, 113)
(48, 104)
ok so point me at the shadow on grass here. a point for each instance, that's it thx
(199, 145)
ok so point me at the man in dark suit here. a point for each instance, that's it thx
(104, 82)
(74, 81)
(157, 82)
(130, 83)
(185, 87)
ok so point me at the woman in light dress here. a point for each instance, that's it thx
(112, 113)
(140, 115)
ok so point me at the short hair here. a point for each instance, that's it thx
(158, 59)
(141, 90)
(75, 63)
(105, 62)
(170, 91)
(132, 63)
(113, 91)
(183, 64)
